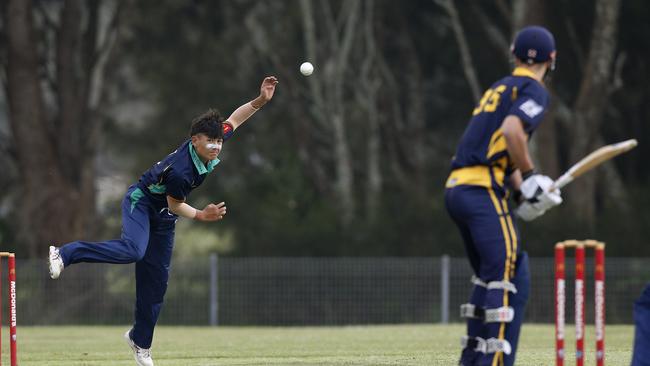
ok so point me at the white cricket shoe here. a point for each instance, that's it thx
(142, 355)
(55, 263)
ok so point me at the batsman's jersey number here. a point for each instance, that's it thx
(490, 100)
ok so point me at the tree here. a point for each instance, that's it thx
(590, 104)
(406, 100)
(57, 57)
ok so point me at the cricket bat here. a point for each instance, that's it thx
(593, 160)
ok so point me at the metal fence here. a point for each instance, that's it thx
(301, 291)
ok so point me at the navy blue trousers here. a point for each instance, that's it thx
(641, 355)
(147, 239)
(492, 245)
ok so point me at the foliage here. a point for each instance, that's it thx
(279, 175)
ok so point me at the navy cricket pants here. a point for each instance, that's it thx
(147, 239)
(641, 355)
(492, 245)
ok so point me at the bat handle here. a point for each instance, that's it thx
(562, 181)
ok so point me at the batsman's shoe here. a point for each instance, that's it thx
(55, 263)
(142, 355)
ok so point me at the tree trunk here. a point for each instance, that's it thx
(590, 104)
(368, 86)
(416, 119)
(375, 180)
(328, 90)
(543, 148)
(41, 216)
(525, 13)
(56, 149)
(463, 48)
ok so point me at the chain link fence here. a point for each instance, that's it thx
(301, 291)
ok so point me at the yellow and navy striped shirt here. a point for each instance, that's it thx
(482, 156)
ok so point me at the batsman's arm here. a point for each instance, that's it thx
(211, 212)
(245, 111)
(516, 179)
(517, 143)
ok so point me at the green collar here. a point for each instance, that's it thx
(198, 164)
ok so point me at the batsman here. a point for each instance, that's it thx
(492, 163)
(150, 210)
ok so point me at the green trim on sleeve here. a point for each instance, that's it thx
(157, 188)
(135, 197)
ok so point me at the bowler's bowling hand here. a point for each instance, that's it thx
(267, 89)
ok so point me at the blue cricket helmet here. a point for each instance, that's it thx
(533, 44)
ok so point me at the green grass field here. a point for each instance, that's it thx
(354, 345)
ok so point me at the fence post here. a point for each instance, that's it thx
(444, 288)
(214, 305)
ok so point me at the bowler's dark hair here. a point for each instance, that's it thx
(209, 124)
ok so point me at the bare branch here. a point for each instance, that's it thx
(3, 79)
(575, 43)
(330, 23)
(466, 57)
(597, 71)
(47, 29)
(315, 84)
(102, 56)
(106, 43)
(503, 8)
(47, 19)
(494, 34)
(89, 37)
(3, 61)
(348, 34)
(617, 78)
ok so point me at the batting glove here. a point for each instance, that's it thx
(538, 198)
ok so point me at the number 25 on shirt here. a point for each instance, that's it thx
(490, 100)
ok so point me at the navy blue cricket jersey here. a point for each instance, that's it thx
(482, 157)
(177, 174)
